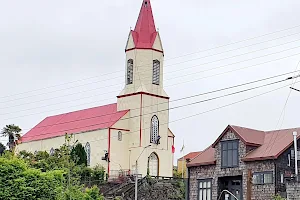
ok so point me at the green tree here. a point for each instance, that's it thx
(19, 181)
(78, 155)
(13, 133)
(2, 148)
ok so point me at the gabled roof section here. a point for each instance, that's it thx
(191, 155)
(206, 157)
(275, 143)
(249, 136)
(271, 144)
(144, 33)
(75, 122)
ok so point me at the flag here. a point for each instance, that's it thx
(181, 150)
(173, 149)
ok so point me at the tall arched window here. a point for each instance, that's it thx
(156, 72)
(129, 79)
(88, 153)
(120, 136)
(154, 129)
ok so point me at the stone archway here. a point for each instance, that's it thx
(153, 164)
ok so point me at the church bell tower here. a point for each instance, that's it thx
(143, 95)
(144, 56)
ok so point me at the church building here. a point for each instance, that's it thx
(133, 130)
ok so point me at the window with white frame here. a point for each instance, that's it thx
(129, 72)
(262, 178)
(88, 153)
(154, 129)
(204, 189)
(156, 72)
(120, 136)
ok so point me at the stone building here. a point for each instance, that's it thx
(181, 162)
(122, 132)
(244, 160)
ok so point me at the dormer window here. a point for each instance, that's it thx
(229, 153)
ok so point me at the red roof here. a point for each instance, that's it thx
(207, 157)
(270, 144)
(75, 122)
(247, 135)
(145, 32)
(275, 143)
(190, 155)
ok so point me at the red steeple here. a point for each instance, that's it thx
(145, 32)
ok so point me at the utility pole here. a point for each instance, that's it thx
(136, 172)
(296, 154)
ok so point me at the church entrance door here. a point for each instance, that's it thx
(153, 164)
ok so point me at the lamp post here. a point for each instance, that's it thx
(136, 172)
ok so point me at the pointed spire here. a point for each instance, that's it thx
(145, 32)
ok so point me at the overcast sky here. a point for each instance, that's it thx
(72, 45)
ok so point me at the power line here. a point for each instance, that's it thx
(222, 66)
(201, 113)
(239, 49)
(282, 112)
(172, 108)
(173, 58)
(235, 86)
(240, 41)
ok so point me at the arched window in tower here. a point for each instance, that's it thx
(120, 136)
(154, 135)
(129, 79)
(88, 153)
(156, 72)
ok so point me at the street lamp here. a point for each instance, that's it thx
(136, 171)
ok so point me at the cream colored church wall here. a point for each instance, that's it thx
(98, 142)
(142, 71)
(119, 152)
(159, 107)
(133, 103)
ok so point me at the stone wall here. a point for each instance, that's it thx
(293, 190)
(259, 192)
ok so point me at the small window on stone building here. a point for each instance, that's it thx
(120, 136)
(281, 178)
(229, 153)
(129, 79)
(156, 72)
(263, 178)
(204, 189)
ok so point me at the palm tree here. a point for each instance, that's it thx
(13, 133)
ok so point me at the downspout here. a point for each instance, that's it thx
(296, 156)
(141, 107)
(108, 162)
(275, 171)
(187, 195)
